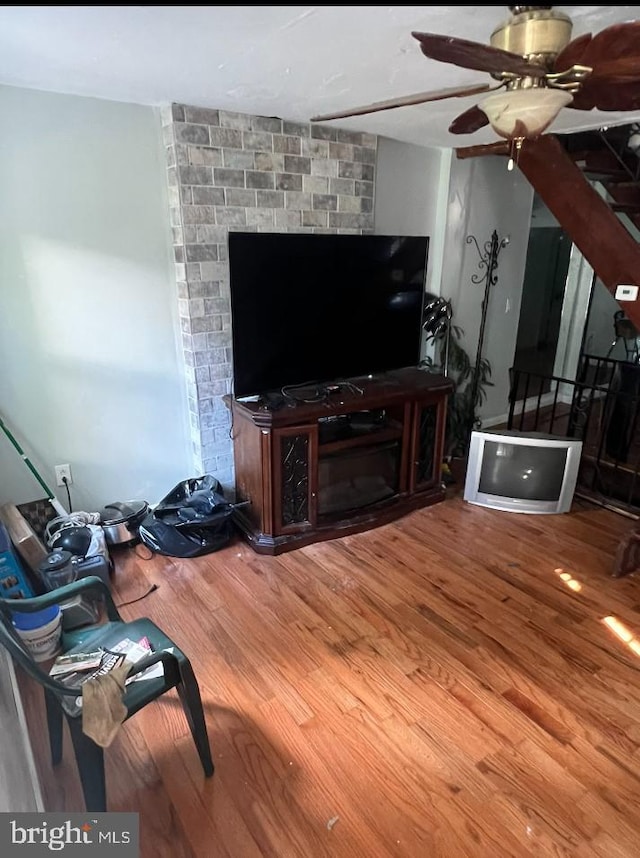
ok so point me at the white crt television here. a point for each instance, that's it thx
(522, 471)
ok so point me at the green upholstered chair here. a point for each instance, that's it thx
(178, 674)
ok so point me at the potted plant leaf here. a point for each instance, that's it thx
(447, 355)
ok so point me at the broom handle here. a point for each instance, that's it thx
(53, 500)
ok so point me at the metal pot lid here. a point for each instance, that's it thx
(58, 559)
(121, 512)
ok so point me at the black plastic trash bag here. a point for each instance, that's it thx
(193, 519)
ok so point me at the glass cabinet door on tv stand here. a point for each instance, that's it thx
(294, 487)
(428, 426)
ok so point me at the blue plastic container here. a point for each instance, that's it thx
(40, 631)
(36, 619)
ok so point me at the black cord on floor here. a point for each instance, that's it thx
(66, 485)
(144, 596)
(143, 556)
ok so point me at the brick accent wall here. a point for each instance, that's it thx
(233, 171)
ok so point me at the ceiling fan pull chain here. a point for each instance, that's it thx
(516, 146)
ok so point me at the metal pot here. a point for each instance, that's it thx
(120, 521)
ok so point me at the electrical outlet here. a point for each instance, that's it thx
(61, 472)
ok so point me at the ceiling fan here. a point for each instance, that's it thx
(539, 70)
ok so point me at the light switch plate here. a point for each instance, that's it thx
(626, 292)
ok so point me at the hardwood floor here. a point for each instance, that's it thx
(442, 686)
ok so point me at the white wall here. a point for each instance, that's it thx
(575, 308)
(600, 333)
(407, 180)
(411, 198)
(90, 369)
(430, 191)
(484, 196)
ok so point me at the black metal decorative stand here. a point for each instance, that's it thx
(488, 263)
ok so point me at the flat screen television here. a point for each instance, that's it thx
(527, 472)
(312, 308)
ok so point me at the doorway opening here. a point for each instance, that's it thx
(543, 291)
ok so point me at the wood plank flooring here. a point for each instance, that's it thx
(442, 686)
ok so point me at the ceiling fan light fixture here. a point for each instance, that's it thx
(524, 113)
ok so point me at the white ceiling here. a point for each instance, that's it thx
(287, 61)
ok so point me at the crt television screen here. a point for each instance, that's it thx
(320, 307)
(523, 472)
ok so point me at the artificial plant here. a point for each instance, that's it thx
(470, 382)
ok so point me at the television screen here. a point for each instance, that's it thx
(525, 472)
(309, 308)
(522, 471)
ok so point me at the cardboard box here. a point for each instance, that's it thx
(22, 535)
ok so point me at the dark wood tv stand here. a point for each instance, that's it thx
(367, 453)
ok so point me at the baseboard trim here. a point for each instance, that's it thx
(530, 404)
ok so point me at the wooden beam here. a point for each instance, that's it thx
(605, 243)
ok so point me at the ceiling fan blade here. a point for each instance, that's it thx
(622, 70)
(601, 94)
(475, 55)
(614, 57)
(572, 54)
(618, 41)
(406, 101)
(469, 121)
(614, 42)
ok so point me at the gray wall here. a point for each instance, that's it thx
(411, 197)
(430, 191)
(88, 313)
(483, 196)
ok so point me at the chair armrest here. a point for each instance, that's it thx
(168, 659)
(85, 585)
(57, 687)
